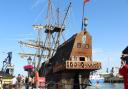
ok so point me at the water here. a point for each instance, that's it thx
(107, 86)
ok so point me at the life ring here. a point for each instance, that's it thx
(67, 64)
(71, 64)
(82, 64)
(88, 65)
(75, 64)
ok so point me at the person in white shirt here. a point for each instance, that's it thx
(0, 82)
(14, 81)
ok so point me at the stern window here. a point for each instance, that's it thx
(78, 45)
(82, 58)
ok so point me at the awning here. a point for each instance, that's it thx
(28, 67)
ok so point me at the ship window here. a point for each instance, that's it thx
(89, 58)
(77, 58)
(82, 58)
(74, 58)
(78, 45)
(86, 46)
(86, 58)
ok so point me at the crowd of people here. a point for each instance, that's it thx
(20, 81)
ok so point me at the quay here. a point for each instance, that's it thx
(114, 80)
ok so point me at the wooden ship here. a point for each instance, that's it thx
(72, 63)
(70, 66)
(67, 65)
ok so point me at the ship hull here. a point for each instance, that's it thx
(68, 81)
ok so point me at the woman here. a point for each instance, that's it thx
(124, 68)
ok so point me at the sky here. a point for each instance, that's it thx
(107, 24)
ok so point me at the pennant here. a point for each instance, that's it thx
(85, 1)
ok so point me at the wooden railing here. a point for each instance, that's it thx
(82, 65)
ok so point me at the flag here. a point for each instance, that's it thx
(85, 1)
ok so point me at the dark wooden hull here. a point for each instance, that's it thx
(66, 80)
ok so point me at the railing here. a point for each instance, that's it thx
(77, 65)
(82, 65)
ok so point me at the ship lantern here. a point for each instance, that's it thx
(29, 60)
(85, 22)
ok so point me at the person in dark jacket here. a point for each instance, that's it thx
(26, 83)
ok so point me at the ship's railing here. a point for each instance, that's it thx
(83, 65)
(92, 65)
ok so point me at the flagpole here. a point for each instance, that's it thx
(83, 16)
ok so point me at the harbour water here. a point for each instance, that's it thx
(107, 86)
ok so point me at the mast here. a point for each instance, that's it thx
(84, 19)
(35, 44)
(46, 47)
(62, 26)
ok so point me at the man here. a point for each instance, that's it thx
(19, 81)
(26, 83)
(124, 67)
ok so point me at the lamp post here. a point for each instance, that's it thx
(85, 23)
(29, 63)
(29, 60)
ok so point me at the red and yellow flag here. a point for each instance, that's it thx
(85, 1)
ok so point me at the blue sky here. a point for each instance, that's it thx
(108, 25)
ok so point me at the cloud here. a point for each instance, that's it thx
(15, 39)
(97, 51)
(29, 34)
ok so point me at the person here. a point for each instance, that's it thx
(97, 85)
(19, 81)
(124, 70)
(0, 82)
(26, 83)
(22, 80)
(14, 81)
(30, 81)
